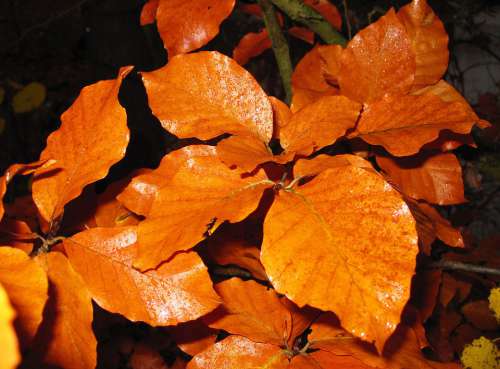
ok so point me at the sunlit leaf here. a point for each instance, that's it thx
(207, 94)
(93, 136)
(177, 291)
(10, 357)
(251, 45)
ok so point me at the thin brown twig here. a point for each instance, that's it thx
(457, 265)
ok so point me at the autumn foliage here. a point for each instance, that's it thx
(326, 203)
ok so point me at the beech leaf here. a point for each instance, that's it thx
(434, 178)
(429, 42)
(201, 195)
(177, 291)
(251, 310)
(329, 243)
(67, 339)
(378, 61)
(27, 285)
(207, 94)
(319, 124)
(239, 352)
(186, 25)
(403, 124)
(93, 136)
(251, 45)
(10, 357)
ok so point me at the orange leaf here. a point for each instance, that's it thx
(309, 79)
(313, 167)
(434, 178)
(10, 357)
(326, 360)
(401, 352)
(110, 212)
(186, 25)
(245, 152)
(195, 95)
(146, 357)
(304, 34)
(429, 42)
(200, 196)
(193, 337)
(177, 291)
(16, 233)
(251, 310)
(148, 12)
(281, 113)
(403, 124)
(327, 10)
(378, 61)
(301, 320)
(93, 136)
(329, 243)
(319, 124)
(239, 352)
(251, 45)
(14, 170)
(453, 288)
(65, 339)
(26, 283)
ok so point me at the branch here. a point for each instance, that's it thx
(309, 17)
(456, 265)
(280, 46)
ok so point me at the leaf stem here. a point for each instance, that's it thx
(309, 17)
(457, 265)
(280, 46)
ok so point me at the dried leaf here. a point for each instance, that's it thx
(282, 115)
(140, 193)
(479, 314)
(66, 338)
(193, 337)
(10, 357)
(177, 291)
(26, 283)
(441, 227)
(186, 25)
(327, 10)
(378, 61)
(148, 12)
(429, 42)
(403, 124)
(313, 167)
(201, 195)
(353, 225)
(146, 357)
(239, 352)
(195, 96)
(251, 45)
(93, 136)
(251, 310)
(319, 124)
(435, 178)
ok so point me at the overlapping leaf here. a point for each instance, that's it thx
(10, 357)
(26, 283)
(353, 226)
(378, 61)
(403, 124)
(429, 42)
(186, 25)
(201, 195)
(177, 291)
(207, 94)
(67, 339)
(434, 178)
(93, 136)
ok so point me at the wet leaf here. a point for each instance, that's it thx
(195, 96)
(175, 292)
(93, 136)
(353, 225)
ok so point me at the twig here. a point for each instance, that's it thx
(457, 265)
(280, 46)
(309, 17)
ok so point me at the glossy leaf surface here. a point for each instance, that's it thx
(353, 225)
(177, 291)
(26, 283)
(434, 178)
(186, 25)
(201, 195)
(207, 94)
(403, 124)
(378, 61)
(93, 136)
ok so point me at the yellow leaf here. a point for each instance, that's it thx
(29, 98)
(481, 354)
(495, 302)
